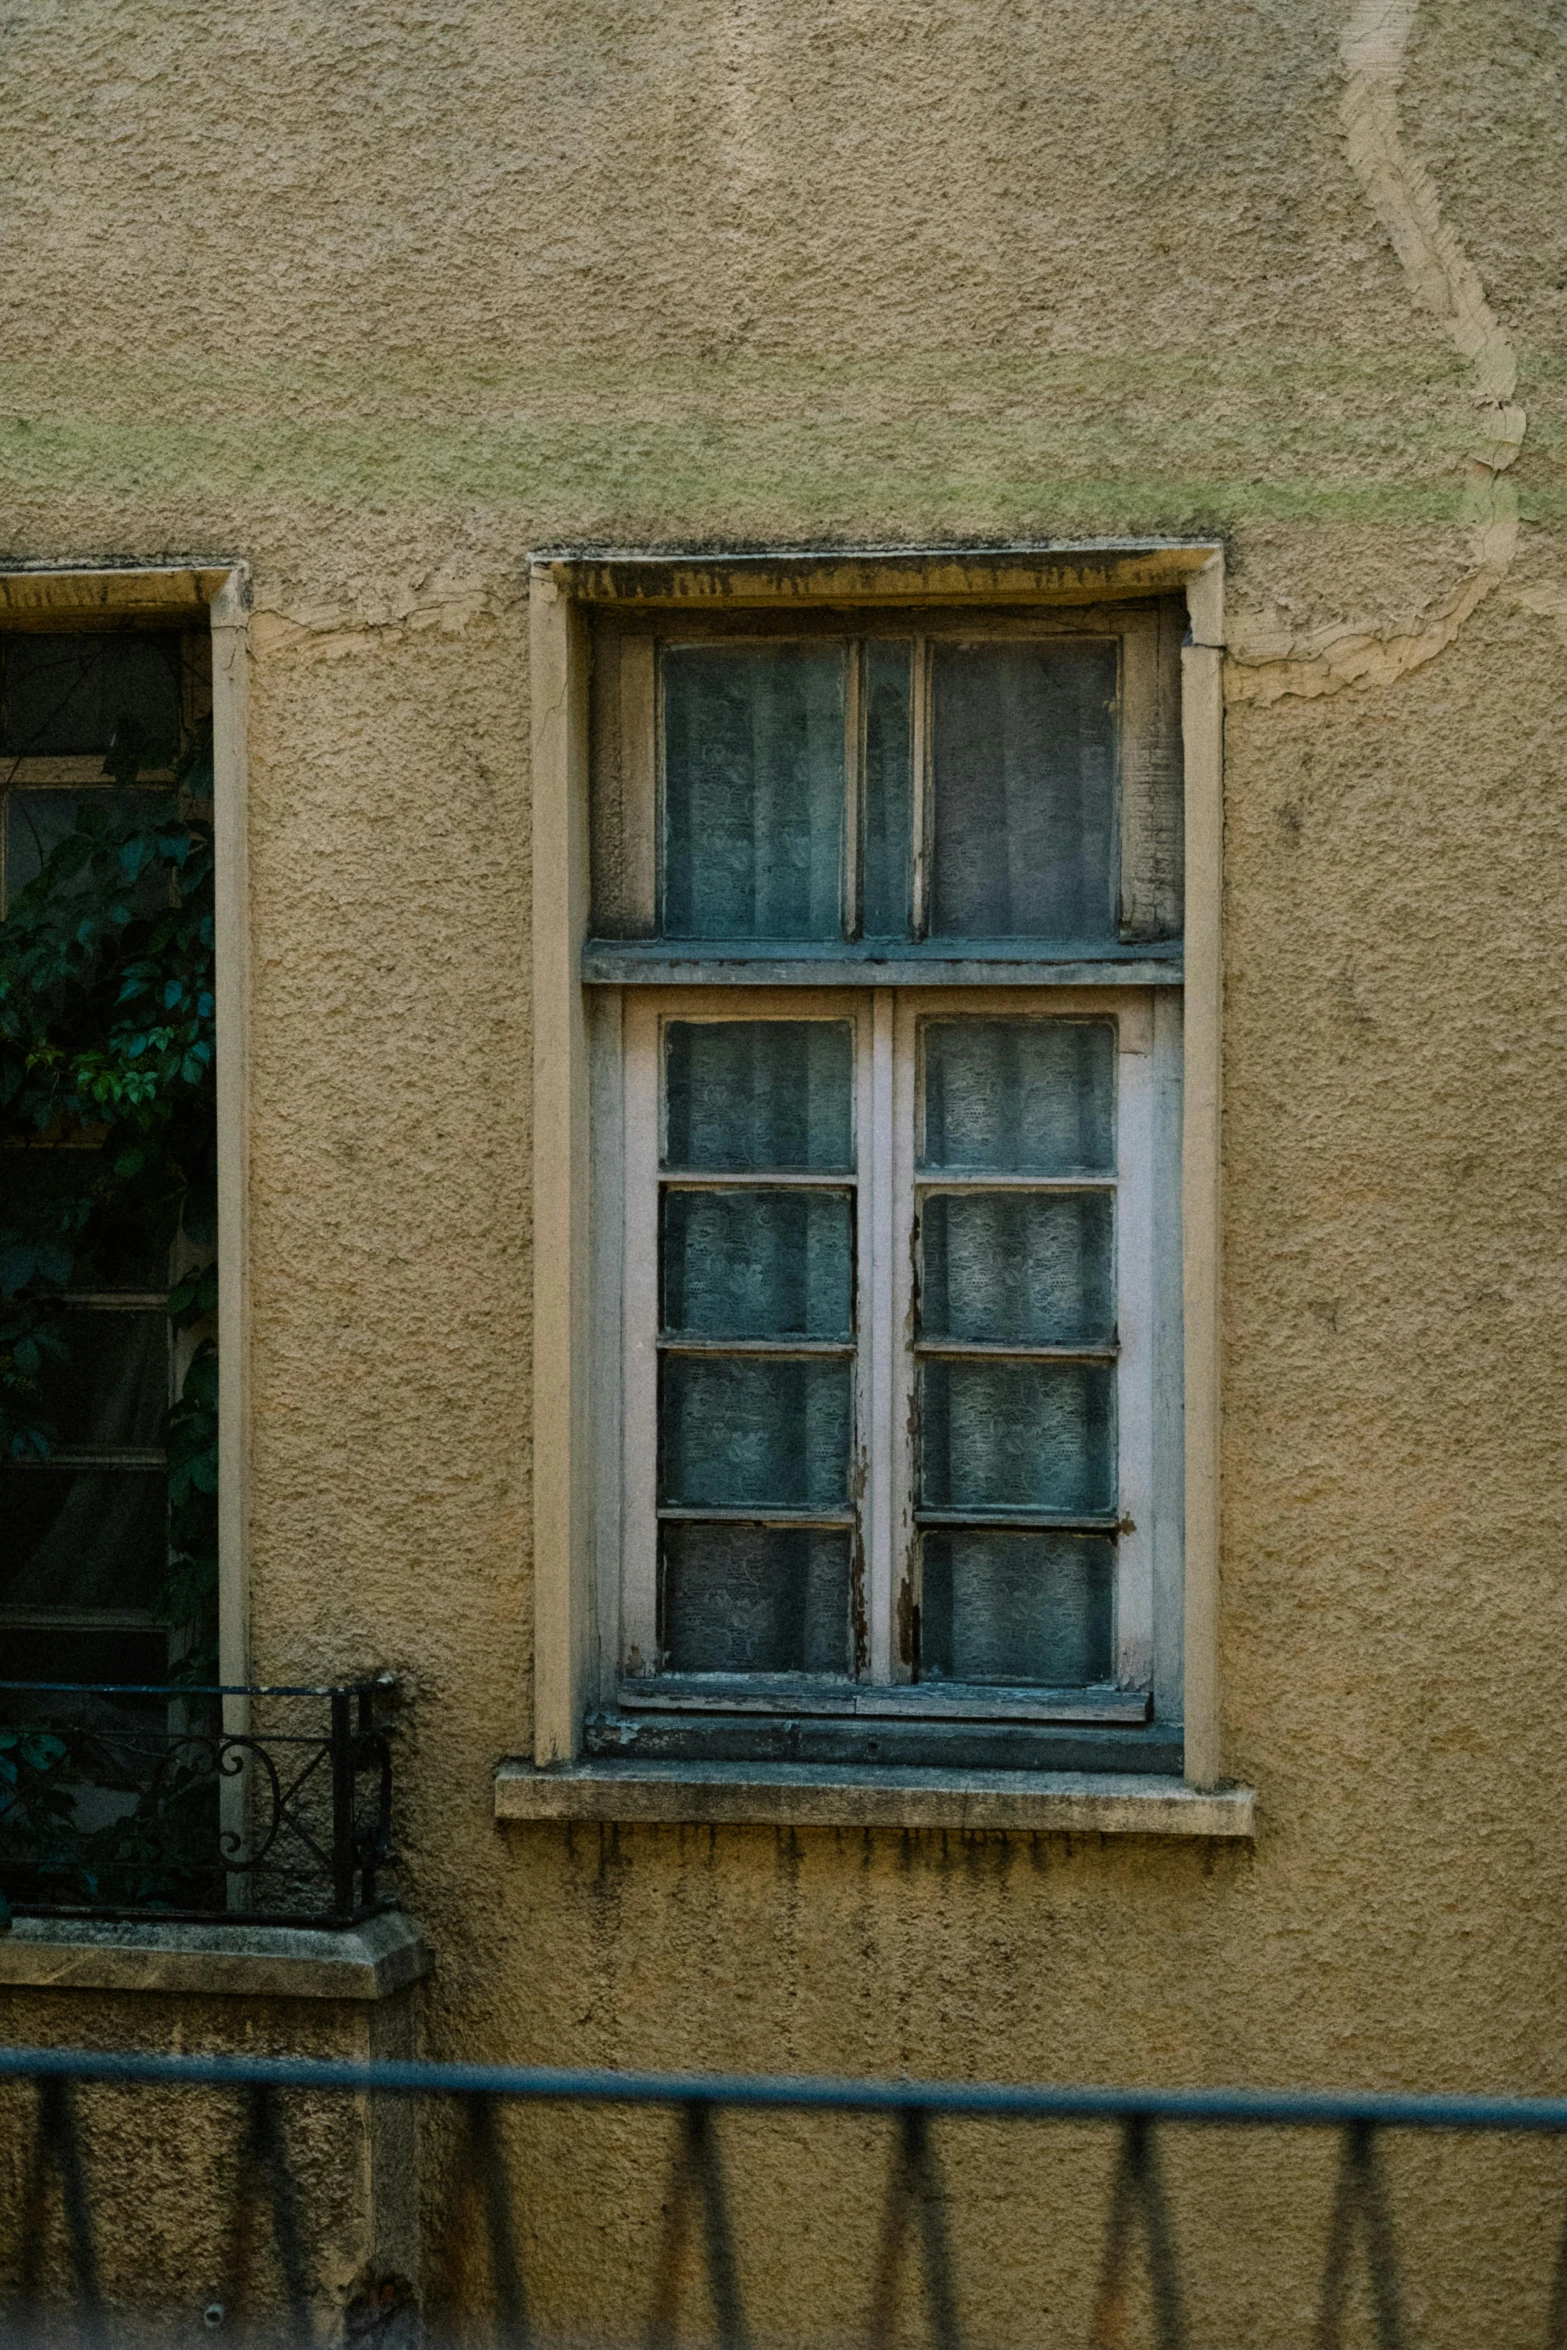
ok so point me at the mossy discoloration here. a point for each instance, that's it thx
(380, 303)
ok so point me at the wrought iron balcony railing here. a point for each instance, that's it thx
(74, 2155)
(246, 1805)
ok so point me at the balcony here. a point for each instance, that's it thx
(239, 1805)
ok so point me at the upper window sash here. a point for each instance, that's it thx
(908, 786)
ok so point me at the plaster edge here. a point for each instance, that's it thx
(73, 593)
(359, 1963)
(1265, 663)
(822, 1795)
(1068, 571)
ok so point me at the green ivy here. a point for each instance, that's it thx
(107, 1054)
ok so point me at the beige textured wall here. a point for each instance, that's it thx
(178, 2219)
(379, 299)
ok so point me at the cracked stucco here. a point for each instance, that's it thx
(379, 300)
(1265, 662)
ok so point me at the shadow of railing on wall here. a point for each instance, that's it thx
(1139, 2261)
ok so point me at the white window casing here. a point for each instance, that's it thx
(596, 1123)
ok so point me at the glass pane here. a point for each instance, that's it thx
(749, 1432)
(755, 1599)
(37, 821)
(1019, 1097)
(758, 1264)
(1017, 1607)
(63, 696)
(1018, 1268)
(758, 1096)
(50, 1205)
(888, 846)
(1023, 755)
(753, 791)
(999, 1435)
(113, 1387)
(95, 1538)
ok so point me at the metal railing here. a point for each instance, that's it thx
(1138, 2289)
(231, 1803)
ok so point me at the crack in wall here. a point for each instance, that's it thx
(330, 631)
(1263, 665)
(1264, 661)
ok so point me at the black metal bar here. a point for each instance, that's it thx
(1556, 2321)
(265, 2153)
(1360, 2222)
(342, 1806)
(706, 2166)
(191, 1688)
(168, 1846)
(365, 1847)
(1257, 2108)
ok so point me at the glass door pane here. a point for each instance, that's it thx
(1016, 1349)
(756, 1347)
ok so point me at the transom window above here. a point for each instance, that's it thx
(1014, 782)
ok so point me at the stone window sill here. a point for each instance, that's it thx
(368, 1962)
(825, 1795)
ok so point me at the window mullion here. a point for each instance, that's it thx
(853, 873)
(919, 774)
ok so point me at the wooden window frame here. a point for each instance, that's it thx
(50, 599)
(627, 780)
(576, 1447)
(887, 1187)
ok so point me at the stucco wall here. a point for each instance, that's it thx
(378, 300)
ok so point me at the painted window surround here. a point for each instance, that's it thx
(554, 1784)
(60, 598)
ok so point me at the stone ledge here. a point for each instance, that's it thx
(372, 1961)
(828, 1795)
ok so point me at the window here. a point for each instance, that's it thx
(886, 958)
(107, 1156)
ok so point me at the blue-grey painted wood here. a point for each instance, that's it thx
(613, 962)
